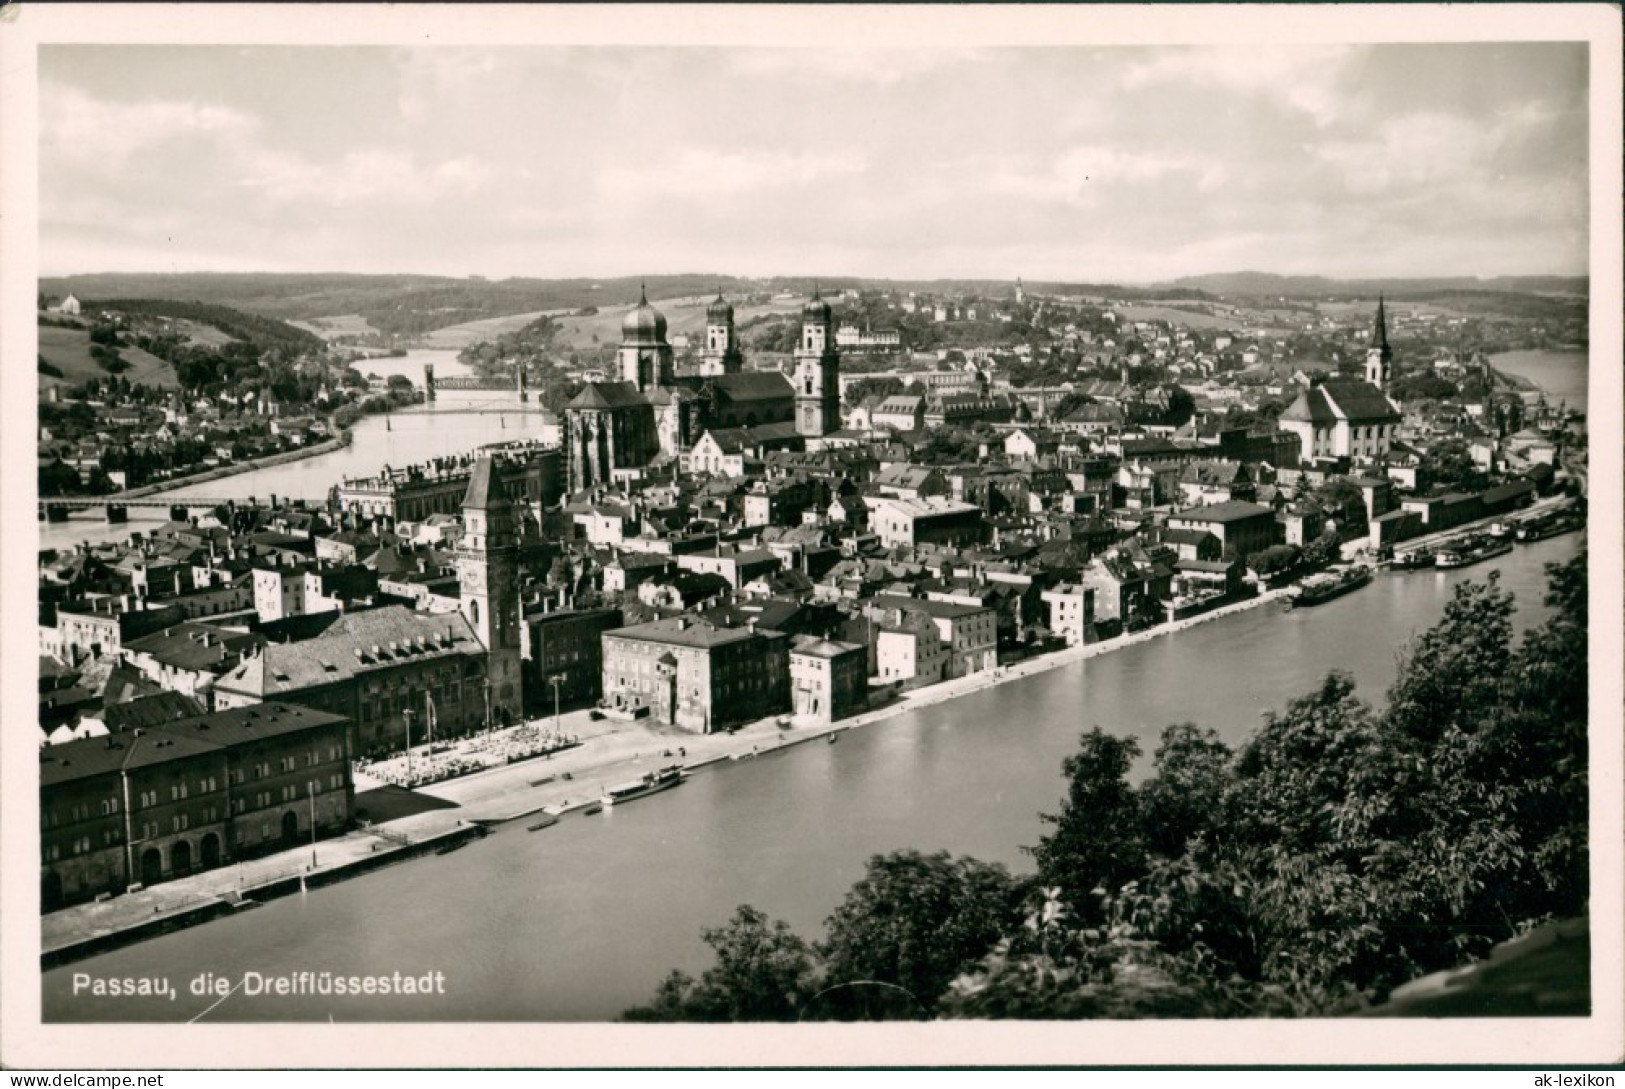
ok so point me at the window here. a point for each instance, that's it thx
(179, 822)
(149, 798)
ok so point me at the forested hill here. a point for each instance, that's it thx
(398, 306)
(265, 332)
(1267, 283)
(407, 306)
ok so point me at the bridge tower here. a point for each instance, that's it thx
(428, 382)
(524, 392)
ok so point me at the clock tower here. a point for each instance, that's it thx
(488, 576)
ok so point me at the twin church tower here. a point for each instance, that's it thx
(652, 414)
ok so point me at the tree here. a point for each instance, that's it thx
(1449, 464)
(1274, 560)
(764, 972)
(906, 930)
(866, 387)
(1179, 802)
(1098, 838)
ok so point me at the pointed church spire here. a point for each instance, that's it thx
(643, 293)
(1379, 331)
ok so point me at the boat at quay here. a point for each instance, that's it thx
(652, 783)
(1322, 588)
(1550, 525)
(1471, 551)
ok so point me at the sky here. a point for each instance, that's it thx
(1113, 163)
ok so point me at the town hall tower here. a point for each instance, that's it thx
(488, 577)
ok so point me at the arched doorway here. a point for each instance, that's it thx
(152, 866)
(50, 891)
(290, 828)
(211, 851)
(180, 857)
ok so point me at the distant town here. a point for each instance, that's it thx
(806, 504)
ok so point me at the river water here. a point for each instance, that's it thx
(456, 423)
(1565, 376)
(583, 920)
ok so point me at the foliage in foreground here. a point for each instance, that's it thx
(1337, 853)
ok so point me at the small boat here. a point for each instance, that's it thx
(652, 783)
(1547, 526)
(595, 807)
(448, 848)
(546, 822)
(1322, 588)
(1471, 551)
(1412, 561)
(832, 739)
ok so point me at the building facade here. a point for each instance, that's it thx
(144, 806)
(691, 673)
(566, 644)
(828, 679)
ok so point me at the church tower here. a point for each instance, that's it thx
(644, 355)
(488, 575)
(721, 354)
(818, 372)
(1379, 357)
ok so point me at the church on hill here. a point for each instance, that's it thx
(652, 415)
(1349, 417)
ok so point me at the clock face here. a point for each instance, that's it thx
(475, 577)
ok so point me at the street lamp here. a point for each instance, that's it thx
(406, 713)
(555, 680)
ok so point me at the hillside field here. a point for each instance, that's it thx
(68, 350)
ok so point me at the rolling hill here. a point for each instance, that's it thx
(68, 350)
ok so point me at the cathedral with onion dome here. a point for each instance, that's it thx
(652, 415)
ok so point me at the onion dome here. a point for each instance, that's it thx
(720, 312)
(643, 324)
(816, 309)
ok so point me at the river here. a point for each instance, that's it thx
(458, 421)
(583, 920)
(1564, 375)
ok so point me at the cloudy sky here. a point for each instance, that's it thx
(1123, 163)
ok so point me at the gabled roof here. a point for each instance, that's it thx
(1233, 510)
(1358, 400)
(603, 395)
(481, 494)
(752, 386)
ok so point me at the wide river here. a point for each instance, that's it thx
(583, 920)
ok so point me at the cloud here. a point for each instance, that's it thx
(1081, 175)
(1305, 77)
(875, 67)
(708, 173)
(78, 128)
(372, 174)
